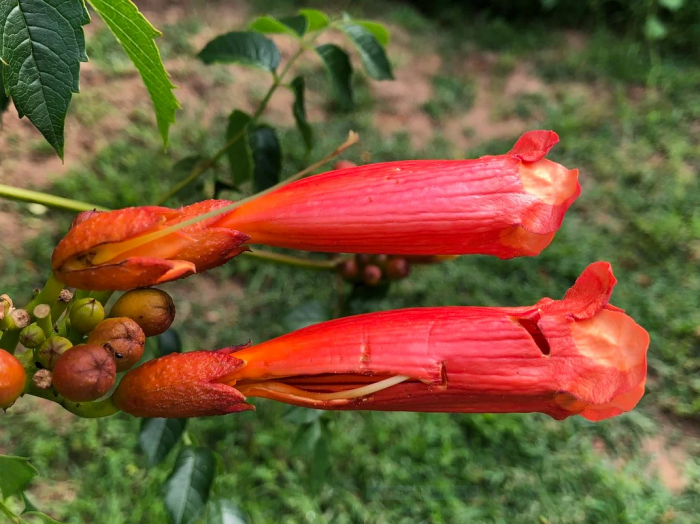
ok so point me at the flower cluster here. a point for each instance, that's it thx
(578, 355)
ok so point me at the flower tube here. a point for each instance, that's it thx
(507, 205)
(579, 355)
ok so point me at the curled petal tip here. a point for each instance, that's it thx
(534, 145)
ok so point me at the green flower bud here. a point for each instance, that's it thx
(32, 336)
(47, 353)
(150, 308)
(85, 314)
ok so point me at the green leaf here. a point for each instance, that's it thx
(224, 512)
(169, 342)
(379, 31)
(136, 34)
(672, 5)
(307, 314)
(298, 24)
(42, 43)
(299, 110)
(371, 51)
(315, 19)
(15, 474)
(321, 461)
(338, 65)
(242, 47)
(160, 435)
(181, 170)
(655, 29)
(187, 489)
(240, 156)
(297, 415)
(4, 99)
(267, 157)
(292, 25)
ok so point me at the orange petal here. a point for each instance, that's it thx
(128, 274)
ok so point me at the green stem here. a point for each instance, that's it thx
(48, 295)
(290, 260)
(203, 167)
(9, 340)
(26, 195)
(97, 409)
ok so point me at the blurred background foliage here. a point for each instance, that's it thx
(470, 78)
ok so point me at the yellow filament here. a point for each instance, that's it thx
(338, 395)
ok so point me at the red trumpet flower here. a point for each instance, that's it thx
(508, 205)
(579, 355)
(136, 247)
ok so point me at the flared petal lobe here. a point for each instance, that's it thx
(134, 247)
(578, 355)
(508, 205)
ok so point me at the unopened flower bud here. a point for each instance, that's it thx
(85, 314)
(349, 269)
(5, 306)
(32, 336)
(43, 379)
(371, 275)
(397, 268)
(47, 353)
(151, 308)
(84, 373)
(123, 338)
(12, 379)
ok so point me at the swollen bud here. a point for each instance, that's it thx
(12, 379)
(84, 373)
(397, 268)
(349, 269)
(151, 308)
(85, 314)
(47, 353)
(32, 336)
(123, 338)
(371, 275)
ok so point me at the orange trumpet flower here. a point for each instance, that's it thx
(507, 205)
(136, 247)
(579, 355)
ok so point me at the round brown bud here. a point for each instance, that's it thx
(32, 336)
(349, 269)
(151, 308)
(85, 314)
(65, 296)
(53, 347)
(84, 373)
(371, 275)
(397, 268)
(123, 338)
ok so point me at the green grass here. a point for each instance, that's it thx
(639, 157)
